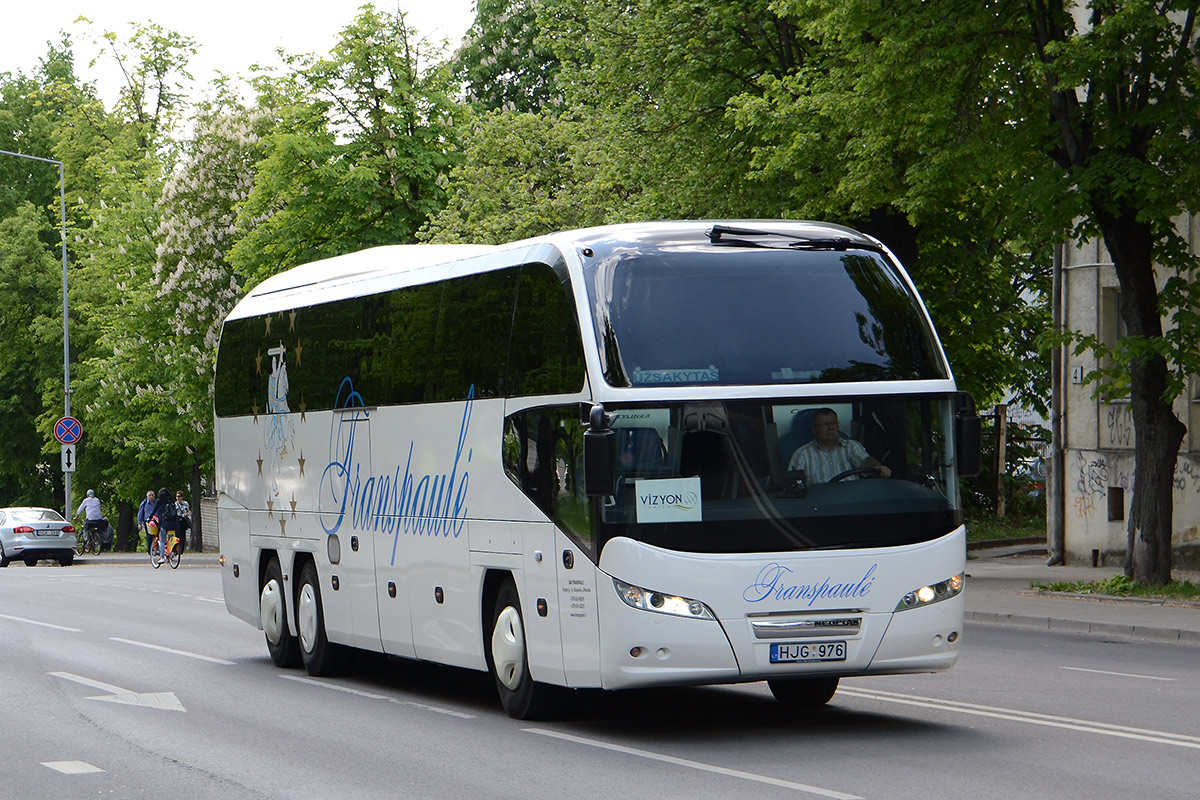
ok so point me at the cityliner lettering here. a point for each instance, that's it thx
(772, 583)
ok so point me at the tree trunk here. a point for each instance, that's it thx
(1157, 432)
(1157, 436)
(124, 526)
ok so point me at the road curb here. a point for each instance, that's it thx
(1104, 630)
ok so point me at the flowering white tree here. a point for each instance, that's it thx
(157, 372)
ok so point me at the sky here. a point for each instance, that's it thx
(231, 35)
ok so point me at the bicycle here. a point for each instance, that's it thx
(174, 552)
(87, 538)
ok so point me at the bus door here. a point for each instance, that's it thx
(355, 547)
(577, 615)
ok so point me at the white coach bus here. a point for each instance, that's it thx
(583, 461)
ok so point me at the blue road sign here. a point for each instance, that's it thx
(68, 430)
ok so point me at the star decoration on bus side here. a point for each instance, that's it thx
(301, 463)
(270, 507)
(260, 463)
(293, 504)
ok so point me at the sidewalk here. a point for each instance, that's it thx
(190, 559)
(999, 592)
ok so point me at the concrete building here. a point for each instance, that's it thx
(1097, 436)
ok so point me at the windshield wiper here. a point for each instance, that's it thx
(720, 234)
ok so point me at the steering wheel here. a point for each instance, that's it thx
(864, 472)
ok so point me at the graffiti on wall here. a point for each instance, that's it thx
(1187, 476)
(1120, 426)
(1091, 483)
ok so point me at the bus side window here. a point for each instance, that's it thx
(543, 456)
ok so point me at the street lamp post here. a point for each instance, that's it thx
(62, 201)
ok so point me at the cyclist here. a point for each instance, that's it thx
(143, 516)
(94, 522)
(164, 518)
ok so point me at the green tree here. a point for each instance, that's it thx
(525, 174)
(122, 381)
(359, 155)
(31, 358)
(1121, 87)
(31, 111)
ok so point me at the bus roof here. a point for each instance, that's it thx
(367, 271)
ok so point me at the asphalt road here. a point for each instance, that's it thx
(126, 682)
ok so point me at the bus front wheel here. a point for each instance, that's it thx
(319, 655)
(520, 695)
(804, 692)
(273, 615)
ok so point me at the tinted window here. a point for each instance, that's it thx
(702, 314)
(505, 333)
(716, 476)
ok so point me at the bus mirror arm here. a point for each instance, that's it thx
(599, 455)
(967, 437)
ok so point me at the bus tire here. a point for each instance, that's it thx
(273, 615)
(521, 696)
(804, 692)
(319, 656)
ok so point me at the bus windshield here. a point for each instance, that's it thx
(706, 315)
(771, 475)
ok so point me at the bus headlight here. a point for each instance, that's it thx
(933, 593)
(646, 600)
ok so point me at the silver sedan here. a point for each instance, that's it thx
(31, 534)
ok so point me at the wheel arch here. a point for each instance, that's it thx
(288, 571)
(493, 579)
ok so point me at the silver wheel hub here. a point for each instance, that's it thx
(271, 612)
(508, 648)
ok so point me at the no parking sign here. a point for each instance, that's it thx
(68, 430)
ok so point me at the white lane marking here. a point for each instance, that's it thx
(172, 651)
(372, 696)
(1118, 674)
(683, 762)
(1030, 717)
(43, 624)
(71, 767)
(163, 701)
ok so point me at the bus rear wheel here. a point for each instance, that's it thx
(273, 615)
(319, 655)
(804, 692)
(521, 696)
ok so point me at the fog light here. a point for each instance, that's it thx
(637, 652)
(952, 637)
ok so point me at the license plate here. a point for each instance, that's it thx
(46, 533)
(808, 651)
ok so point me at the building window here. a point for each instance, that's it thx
(1112, 325)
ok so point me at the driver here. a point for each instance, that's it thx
(828, 454)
